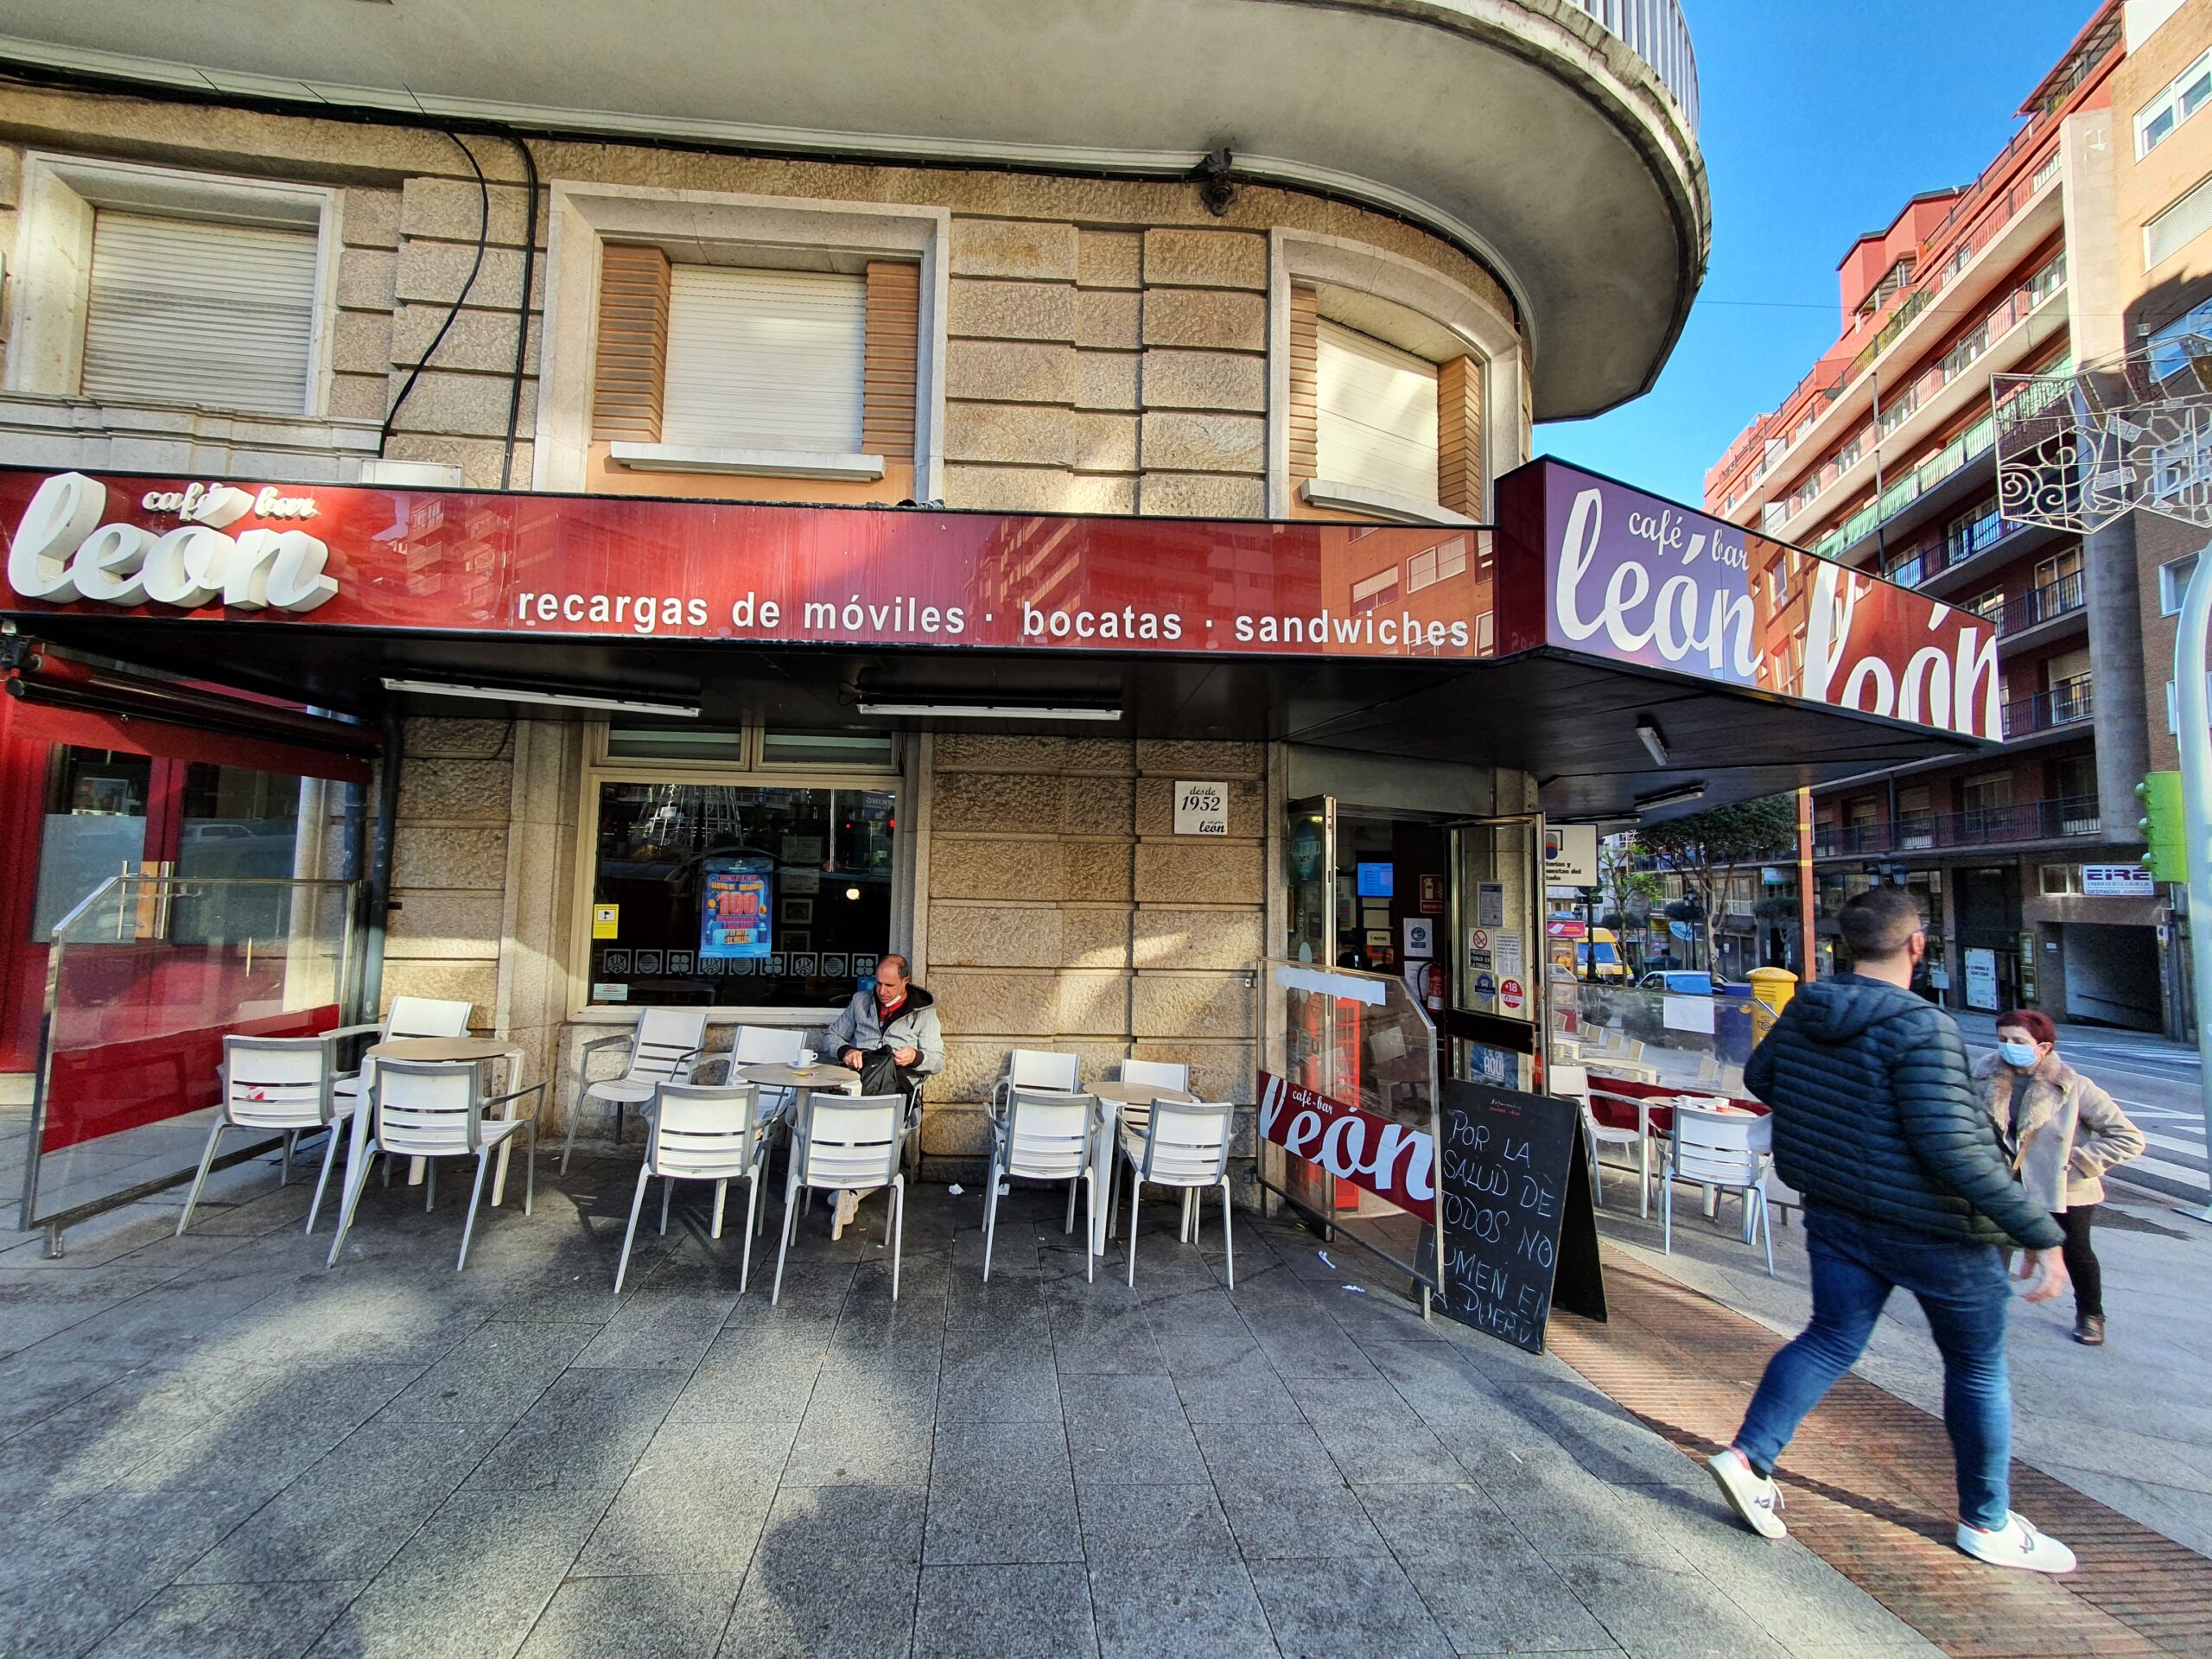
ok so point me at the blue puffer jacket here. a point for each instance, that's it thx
(1876, 1113)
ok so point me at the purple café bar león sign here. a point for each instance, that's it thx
(1591, 566)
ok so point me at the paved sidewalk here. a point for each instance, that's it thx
(220, 1449)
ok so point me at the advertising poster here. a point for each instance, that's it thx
(733, 908)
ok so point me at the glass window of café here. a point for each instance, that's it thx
(739, 868)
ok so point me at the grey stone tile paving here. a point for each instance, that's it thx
(213, 1446)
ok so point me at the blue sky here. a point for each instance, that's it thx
(1820, 118)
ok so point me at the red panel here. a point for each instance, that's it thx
(120, 1085)
(1394, 1162)
(158, 738)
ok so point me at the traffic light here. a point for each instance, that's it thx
(2167, 855)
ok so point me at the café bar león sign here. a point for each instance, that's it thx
(1577, 563)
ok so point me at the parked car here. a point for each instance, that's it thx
(1680, 983)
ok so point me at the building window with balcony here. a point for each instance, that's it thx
(1915, 820)
(2173, 583)
(2068, 678)
(143, 285)
(1983, 802)
(1961, 356)
(2180, 99)
(1976, 528)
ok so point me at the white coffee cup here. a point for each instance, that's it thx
(806, 1059)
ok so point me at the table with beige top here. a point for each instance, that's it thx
(1117, 1101)
(449, 1051)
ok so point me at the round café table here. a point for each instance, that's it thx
(804, 1082)
(1117, 1101)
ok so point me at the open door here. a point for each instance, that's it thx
(1496, 1023)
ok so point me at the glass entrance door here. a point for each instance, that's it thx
(1498, 992)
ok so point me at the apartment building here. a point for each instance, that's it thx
(1883, 458)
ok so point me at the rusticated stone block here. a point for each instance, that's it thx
(359, 397)
(973, 1001)
(996, 310)
(1095, 936)
(1226, 872)
(444, 926)
(987, 488)
(1197, 758)
(367, 278)
(1007, 803)
(973, 1064)
(999, 752)
(1207, 319)
(996, 936)
(1156, 805)
(1009, 370)
(1219, 1071)
(1104, 443)
(360, 343)
(1181, 1006)
(369, 218)
(1097, 872)
(1117, 755)
(459, 791)
(962, 866)
(1182, 441)
(1107, 379)
(474, 983)
(1205, 259)
(1226, 380)
(1110, 259)
(1166, 936)
(453, 210)
(1018, 247)
(953, 1130)
(1204, 495)
(1106, 319)
(436, 271)
(1094, 1004)
(1095, 805)
(1028, 434)
(483, 341)
(449, 855)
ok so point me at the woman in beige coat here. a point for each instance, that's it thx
(2063, 1133)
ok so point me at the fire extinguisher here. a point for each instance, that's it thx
(1432, 987)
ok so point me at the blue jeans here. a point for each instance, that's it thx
(1961, 1288)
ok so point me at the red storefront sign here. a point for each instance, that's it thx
(1592, 566)
(1397, 1164)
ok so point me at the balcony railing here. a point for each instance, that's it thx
(1655, 31)
(2041, 605)
(2065, 704)
(1987, 826)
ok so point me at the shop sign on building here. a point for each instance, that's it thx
(1394, 1161)
(1570, 854)
(1201, 809)
(2118, 881)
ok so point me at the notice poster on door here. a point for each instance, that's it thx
(733, 908)
(1981, 980)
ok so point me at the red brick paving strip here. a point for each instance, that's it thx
(1869, 1487)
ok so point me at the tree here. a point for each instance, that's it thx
(1706, 848)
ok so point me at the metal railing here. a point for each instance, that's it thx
(2041, 605)
(2059, 819)
(2068, 703)
(1656, 32)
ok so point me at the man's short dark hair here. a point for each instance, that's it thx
(1877, 922)
(905, 969)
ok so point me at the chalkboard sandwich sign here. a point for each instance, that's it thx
(1513, 1205)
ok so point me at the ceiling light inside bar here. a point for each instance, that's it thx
(550, 699)
(989, 710)
(1681, 797)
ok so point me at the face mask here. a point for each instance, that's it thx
(2020, 1054)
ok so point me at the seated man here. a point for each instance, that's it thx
(889, 1035)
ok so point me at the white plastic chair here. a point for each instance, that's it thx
(1046, 1136)
(1153, 1074)
(435, 1108)
(1188, 1146)
(1727, 1151)
(704, 1133)
(408, 1016)
(1036, 1068)
(1628, 1135)
(276, 1083)
(664, 1045)
(849, 1143)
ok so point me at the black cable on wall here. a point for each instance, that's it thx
(522, 305)
(483, 236)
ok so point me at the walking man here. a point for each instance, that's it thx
(1878, 1123)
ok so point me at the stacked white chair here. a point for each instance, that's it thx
(434, 1109)
(408, 1016)
(663, 1046)
(1036, 1068)
(286, 1083)
(1727, 1150)
(1186, 1147)
(704, 1133)
(848, 1144)
(1153, 1074)
(1045, 1136)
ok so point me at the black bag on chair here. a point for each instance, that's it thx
(880, 1073)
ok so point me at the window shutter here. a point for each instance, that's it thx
(1376, 411)
(765, 359)
(1459, 436)
(1305, 320)
(187, 311)
(633, 357)
(894, 322)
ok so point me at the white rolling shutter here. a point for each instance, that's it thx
(1377, 415)
(765, 359)
(183, 311)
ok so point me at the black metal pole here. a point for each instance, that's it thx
(379, 887)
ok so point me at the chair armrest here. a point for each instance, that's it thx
(342, 1032)
(605, 1042)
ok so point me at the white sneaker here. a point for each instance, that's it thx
(849, 1205)
(2017, 1543)
(1754, 1497)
